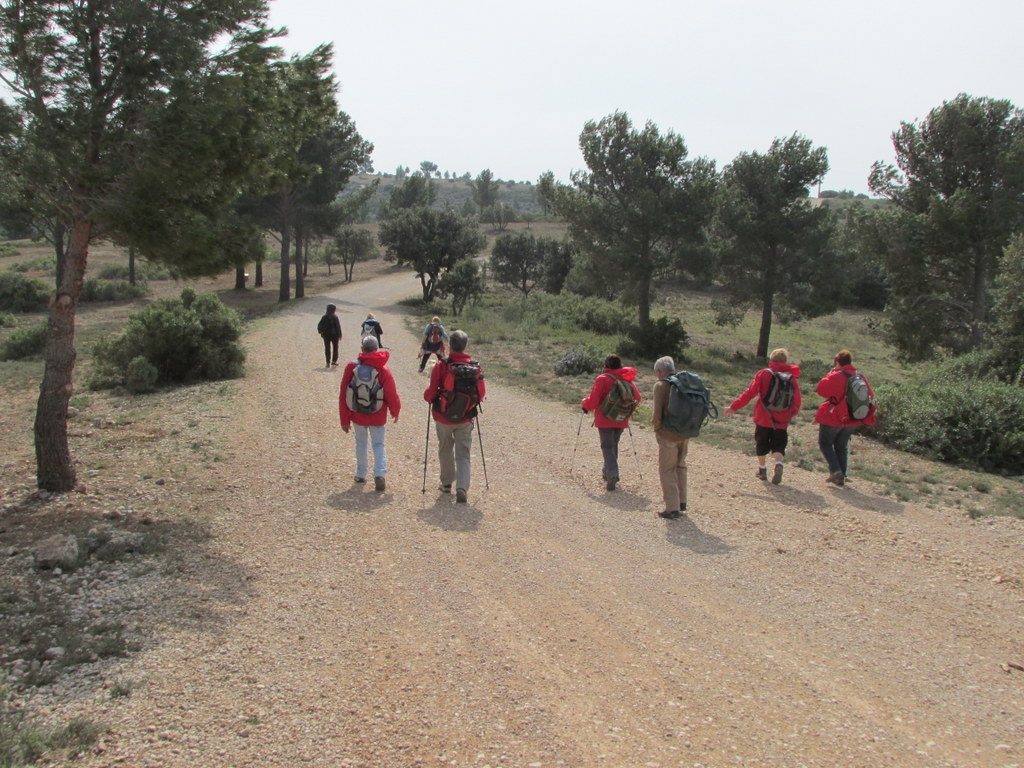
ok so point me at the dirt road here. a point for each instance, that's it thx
(550, 623)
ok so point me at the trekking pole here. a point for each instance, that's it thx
(634, 452)
(577, 444)
(480, 437)
(426, 448)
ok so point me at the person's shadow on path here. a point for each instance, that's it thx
(447, 515)
(358, 499)
(684, 532)
(868, 503)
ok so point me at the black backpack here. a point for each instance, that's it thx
(779, 396)
(458, 396)
(689, 405)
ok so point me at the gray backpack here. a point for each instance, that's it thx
(689, 405)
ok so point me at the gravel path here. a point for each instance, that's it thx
(550, 623)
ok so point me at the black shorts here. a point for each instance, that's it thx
(768, 440)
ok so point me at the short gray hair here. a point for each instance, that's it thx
(369, 344)
(666, 364)
(458, 340)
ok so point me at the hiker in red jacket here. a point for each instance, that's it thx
(835, 423)
(454, 435)
(610, 429)
(367, 395)
(771, 416)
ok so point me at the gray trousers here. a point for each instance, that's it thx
(454, 444)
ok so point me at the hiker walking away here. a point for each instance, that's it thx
(368, 394)
(455, 390)
(777, 394)
(609, 399)
(329, 329)
(434, 339)
(672, 448)
(372, 327)
(849, 403)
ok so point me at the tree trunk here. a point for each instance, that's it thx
(284, 292)
(767, 309)
(131, 265)
(300, 287)
(979, 307)
(54, 469)
(258, 280)
(644, 302)
(240, 278)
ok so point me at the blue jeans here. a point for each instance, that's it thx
(834, 443)
(380, 459)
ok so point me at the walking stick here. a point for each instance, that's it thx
(426, 448)
(480, 437)
(634, 452)
(577, 444)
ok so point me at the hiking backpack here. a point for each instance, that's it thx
(779, 396)
(620, 402)
(369, 328)
(858, 396)
(435, 334)
(365, 393)
(689, 405)
(458, 395)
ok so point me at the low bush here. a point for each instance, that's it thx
(22, 294)
(664, 336)
(972, 422)
(7, 320)
(577, 361)
(111, 290)
(24, 343)
(144, 270)
(186, 339)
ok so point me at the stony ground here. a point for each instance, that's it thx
(296, 618)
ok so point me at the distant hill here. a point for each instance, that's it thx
(521, 197)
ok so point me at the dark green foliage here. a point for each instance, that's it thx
(948, 415)
(664, 336)
(141, 376)
(577, 361)
(462, 283)
(111, 290)
(7, 320)
(568, 311)
(187, 339)
(25, 342)
(144, 271)
(22, 294)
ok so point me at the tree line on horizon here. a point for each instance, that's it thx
(188, 137)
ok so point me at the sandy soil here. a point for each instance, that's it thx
(549, 622)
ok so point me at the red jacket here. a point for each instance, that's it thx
(392, 403)
(759, 389)
(833, 412)
(602, 386)
(437, 376)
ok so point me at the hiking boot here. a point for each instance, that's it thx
(378, 483)
(838, 478)
(682, 507)
(460, 495)
(670, 514)
(445, 488)
(762, 473)
(777, 475)
(360, 479)
(610, 484)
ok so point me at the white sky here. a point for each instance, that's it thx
(509, 85)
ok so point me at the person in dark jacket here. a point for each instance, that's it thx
(609, 431)
(329, 329)
(835, 425)
(372, 327)
(770, 427)
(454, 438)
(371, 424)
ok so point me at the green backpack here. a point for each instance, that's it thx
(689, 405)
(619, 403)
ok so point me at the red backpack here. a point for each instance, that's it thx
(458, 395)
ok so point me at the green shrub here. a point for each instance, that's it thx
(111, 290)
(576, 361)
(664, 336)
(975, 423)
(22, 294)
(7, 320)
(141, 375)
(144, 270)
(25, 342)
(187, 339)
(39, 264)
